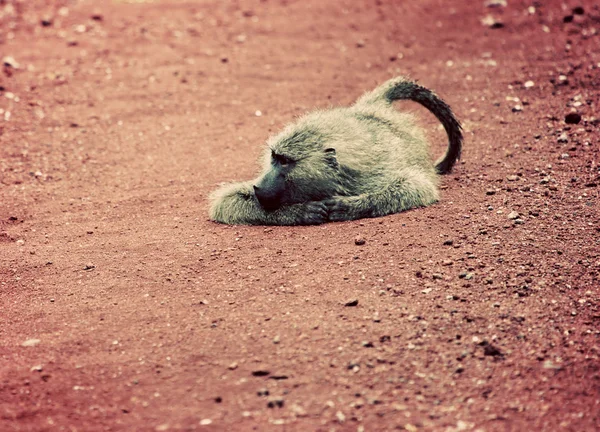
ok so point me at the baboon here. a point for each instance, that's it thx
(366, 160)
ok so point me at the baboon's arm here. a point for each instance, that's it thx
(402, 194)
(236, 204)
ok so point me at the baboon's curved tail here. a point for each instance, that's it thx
(403, 88)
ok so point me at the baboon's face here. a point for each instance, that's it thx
(292, 179)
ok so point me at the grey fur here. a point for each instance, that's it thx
(366, 160)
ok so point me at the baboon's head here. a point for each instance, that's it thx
(297, 169)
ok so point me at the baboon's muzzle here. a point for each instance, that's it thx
(268, 198)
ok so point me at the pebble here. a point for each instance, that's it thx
(491, 22)
(11, 62)
(298, 410)
(563, 138)
(447, 262)
(512, 177)
(31, 342)
(359, 241)
(495, 3)
(490, 192)
(513, 215)
(519, 221)
(517, 108)
(205, 422)
(351, 303)
(276, 402)
(276, 339)
(529, 84)
(448, 242)
(548, 364)
(572, 118)
(36, 368)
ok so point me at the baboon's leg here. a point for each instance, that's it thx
(237, 204)
(401, 194)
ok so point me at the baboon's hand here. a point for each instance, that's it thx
(310, 213)
(343, 208)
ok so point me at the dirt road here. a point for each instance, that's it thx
(122, 308)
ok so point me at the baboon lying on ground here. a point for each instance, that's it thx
(366, 160)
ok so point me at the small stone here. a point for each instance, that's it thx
(359, 241)
(260, 373)
(513, 215)
(46, 23)
(490, 192)
(258, 113)
(97, 17)
(263, 392)
(512, 177)
(448, 242)
(89, 266)
(205, 422)
(340, 416)
(491, 22)
(517, 108)
(519, 221)
(351, 303)
(469, 276)
(495, 3)
(276, 339)
(10, 62)
(360, 43)
(447, 262)
(36, 368)
(232, 366)
(528, 84)
(572, 118)
(548, 364)
(437, 276)
(298, 411)
(31, 343)
(276, 403)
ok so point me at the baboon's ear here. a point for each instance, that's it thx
(330, 157)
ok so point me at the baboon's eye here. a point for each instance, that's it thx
(282, 160)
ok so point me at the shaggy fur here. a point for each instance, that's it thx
(366, 160)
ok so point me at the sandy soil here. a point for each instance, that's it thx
(123, 308)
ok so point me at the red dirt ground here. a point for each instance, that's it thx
(124, 115)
